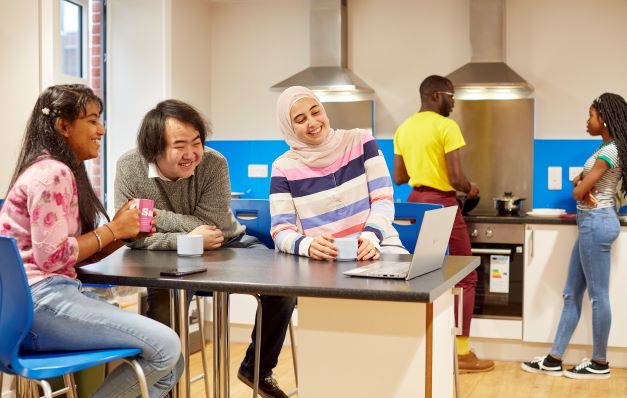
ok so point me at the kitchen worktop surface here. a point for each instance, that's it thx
(523, 218)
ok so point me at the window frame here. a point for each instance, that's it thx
(51, 67)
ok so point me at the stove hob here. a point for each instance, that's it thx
(486, 213)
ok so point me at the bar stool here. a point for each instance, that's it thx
(258, 318)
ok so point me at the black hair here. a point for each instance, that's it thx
(151, 135)
(613, 110)
(434, 83)
(68, 102)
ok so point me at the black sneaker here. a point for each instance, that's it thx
(268, 386)
(545, 365)
(589, 370)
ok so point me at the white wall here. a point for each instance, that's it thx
(136, 72)
(19, 78)
(571, 52)
(395, 44)
(391, 46)
(158, 49)
(254, 44)
(190, 56)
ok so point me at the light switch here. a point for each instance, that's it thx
(258, 170)
(555, 178)
(574, 172)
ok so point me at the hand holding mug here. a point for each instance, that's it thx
(125, 223)
(322, 248)
(367, 250)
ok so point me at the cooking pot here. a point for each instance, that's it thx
(508, 204)
(467, 204)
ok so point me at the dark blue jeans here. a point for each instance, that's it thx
(277, 311)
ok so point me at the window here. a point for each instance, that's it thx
(64, 42)
(71, 18)
(72, 52)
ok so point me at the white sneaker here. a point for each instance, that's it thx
(589, 370)
(543, 365)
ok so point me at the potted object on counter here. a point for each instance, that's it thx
(508, 205)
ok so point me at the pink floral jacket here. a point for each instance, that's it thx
(41, 213)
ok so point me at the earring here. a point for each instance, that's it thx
(604, 125)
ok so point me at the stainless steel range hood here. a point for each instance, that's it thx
(328, 76)
(487, 76)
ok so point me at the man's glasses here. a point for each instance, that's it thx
(447, 93)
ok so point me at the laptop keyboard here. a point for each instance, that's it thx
(390, 268)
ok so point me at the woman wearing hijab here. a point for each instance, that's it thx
(330, 184)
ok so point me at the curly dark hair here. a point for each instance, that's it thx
(67, 102)
(613, 110)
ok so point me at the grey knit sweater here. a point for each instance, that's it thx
(182, 205)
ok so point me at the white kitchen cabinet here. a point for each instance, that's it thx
(548, 249)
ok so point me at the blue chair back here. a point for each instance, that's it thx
(16, 305)
(408, 220)
(254, 214)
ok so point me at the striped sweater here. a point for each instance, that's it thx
(351, 197)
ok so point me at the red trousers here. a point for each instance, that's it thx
(459, 245)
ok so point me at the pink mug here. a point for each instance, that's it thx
(146, 207)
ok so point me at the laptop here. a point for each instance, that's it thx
(428, 256)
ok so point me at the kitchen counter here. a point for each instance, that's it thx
(525, 219)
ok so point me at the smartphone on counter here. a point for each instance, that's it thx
(182, 271)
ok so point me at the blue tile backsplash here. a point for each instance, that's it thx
(560, 153)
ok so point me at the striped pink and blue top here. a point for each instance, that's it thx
(351, 197)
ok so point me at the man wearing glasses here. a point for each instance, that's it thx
(426, 155)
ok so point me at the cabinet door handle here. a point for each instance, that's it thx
(458, 328)
(490, 251)
(531, 244)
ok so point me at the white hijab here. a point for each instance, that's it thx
(335, 144)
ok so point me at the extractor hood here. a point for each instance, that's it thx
(487, 76)
(328, 76)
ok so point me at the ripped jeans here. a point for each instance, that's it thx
(589, 268)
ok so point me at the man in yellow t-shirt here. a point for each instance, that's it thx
(426, 155)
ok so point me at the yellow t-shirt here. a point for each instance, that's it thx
(423, 140)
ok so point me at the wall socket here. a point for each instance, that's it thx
(574, 172)
(555, 178)
(257, 170)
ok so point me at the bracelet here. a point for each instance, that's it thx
(99, 240)
(109, 228)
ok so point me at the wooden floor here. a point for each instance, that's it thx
(507, 380)
(284, 372)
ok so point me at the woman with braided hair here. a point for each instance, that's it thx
(598, 226)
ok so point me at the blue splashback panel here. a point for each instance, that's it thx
(240, 154)
(560, 153)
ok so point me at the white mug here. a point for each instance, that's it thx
(346, 248)
(189, 245)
